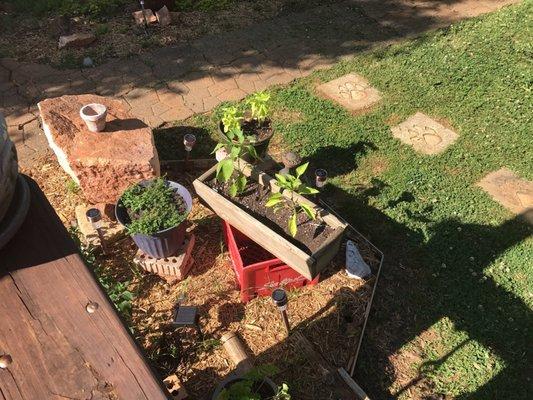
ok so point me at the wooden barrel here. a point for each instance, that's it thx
(8, 168)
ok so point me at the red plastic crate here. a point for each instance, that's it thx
(259, 272)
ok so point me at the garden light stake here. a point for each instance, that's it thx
(95, 218)
(279, 296)
(189, 140)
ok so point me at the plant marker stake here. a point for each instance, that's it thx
(279, 296)
(95, 218)
(144, 17)
(189, 140)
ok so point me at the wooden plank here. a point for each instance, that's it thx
(359, 392)
(328, 372)
(59, 349)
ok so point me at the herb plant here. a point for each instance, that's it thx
(231, 119)
(153, 208)
(248, 388)
(295, 185)
(259, 106)
(236, 147)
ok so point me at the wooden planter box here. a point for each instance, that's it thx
(309, 265)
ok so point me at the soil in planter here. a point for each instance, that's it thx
(311, 233)
(261, 131)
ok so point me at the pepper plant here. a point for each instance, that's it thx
(236, 147)
(294, 184)
(258, 103)
(231, 118)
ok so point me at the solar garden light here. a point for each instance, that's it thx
(189, 140)
(279, 296)
(290, 160)
(95, 218)
(141, 2)
(321, 175)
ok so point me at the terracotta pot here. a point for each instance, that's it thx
(94, 116)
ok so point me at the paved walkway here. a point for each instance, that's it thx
(174, 83)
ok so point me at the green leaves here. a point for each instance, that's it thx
(259, 105)
(153, 207)
(301, 169)
(274, 199)
(308, 210)
(231, 119)
(225, 169)
(293, 227)
(294, 185)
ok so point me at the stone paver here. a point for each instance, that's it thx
(228, 66)
(351, 91)
(508, 189)
(424, 134)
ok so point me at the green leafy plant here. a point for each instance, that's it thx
(119, 294)
(249, 386)
(236, 147)
(258, 103)
(231, 119)
(153, 207)
(294, 185)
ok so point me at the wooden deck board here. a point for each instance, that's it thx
(60, 350)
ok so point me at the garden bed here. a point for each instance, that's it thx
(331, 314)
(315, 242)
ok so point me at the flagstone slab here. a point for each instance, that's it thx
(508, 189)
(424, 134)
(351, 91)
(106, 163)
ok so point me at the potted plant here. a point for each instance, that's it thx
(273, 213)
(254, 385)
(154, 213)
(254, 122)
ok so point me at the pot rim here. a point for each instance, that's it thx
(100, 109)
(221, 132)
(176, 187)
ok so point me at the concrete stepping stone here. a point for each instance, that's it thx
(508, 189)
(424, 134)
(351, 91)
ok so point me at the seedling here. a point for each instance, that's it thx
(259, 106)
(231, 119)
(153, 207)
(249, 386)
(294, 185)
(236, 147)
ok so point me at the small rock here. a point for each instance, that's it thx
(355, 265)
(88, 62)
(163, 16)
(139, 19)
(76, 40)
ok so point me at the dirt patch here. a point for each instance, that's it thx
(117, 36)
(311, 233)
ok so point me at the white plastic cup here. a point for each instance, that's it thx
(94, 115)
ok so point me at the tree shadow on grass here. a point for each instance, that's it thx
(169, 142)
(425, 281)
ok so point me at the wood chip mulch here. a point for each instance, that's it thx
(330, 314)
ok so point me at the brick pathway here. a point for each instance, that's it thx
(174, 83)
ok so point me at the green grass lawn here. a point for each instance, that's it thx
(453, 309)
